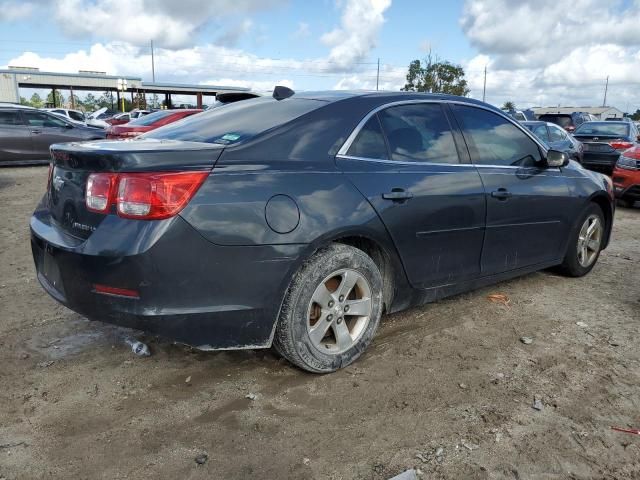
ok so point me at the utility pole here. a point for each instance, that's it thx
(378, 74)
(484, 88)
(153, 72)
(606, 87)
(153, 66)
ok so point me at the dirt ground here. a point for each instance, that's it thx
(447, 388)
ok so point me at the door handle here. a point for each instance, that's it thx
(36, 131)
(397, 195)
(501, 194)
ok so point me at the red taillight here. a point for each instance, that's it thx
(100, 189)
(620, 145)
(119, 292)
(145, 196)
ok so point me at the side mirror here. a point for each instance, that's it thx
(556, 158)
(638, 138)
(68, 125)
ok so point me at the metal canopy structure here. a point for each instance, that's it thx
(13, 78)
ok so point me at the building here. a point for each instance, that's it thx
(13, 78)
(601, 113)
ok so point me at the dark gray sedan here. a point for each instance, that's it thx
(27, 133)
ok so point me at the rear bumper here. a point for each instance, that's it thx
(189, 289)
(600, 162)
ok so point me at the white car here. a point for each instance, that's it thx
(75, 116)
(97, 118)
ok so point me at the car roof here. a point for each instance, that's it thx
(535, 122)
(15, 105)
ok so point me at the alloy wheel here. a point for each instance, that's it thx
(339, 311)
(589, 240)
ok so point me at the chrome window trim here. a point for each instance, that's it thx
(352, 136)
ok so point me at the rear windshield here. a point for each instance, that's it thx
(151, 118)
(562, 120)
(236, 121)
(603, 128)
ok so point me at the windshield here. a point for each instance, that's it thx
(236, 121)
(562, 120)
(603, 128)
(152, 118)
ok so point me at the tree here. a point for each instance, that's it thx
(59, 99)
(509, 105)
(24, 101)
(36, 100)
(636, 116)
(89, 102)
(436, 76)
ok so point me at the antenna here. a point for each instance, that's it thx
(281, 92)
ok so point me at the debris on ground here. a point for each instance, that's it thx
(582, 324)
(463, 386)
(632, 431)
(201, 459)
(537, 404)
(138, 348)
(406, 475)
(45, 364)
(526, 340)
(188, 379)
(469, 446)
(422, 458)
(306, 461)
(11, 445)
(499, 298)
(251, 396)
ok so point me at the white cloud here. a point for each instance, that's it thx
(12, 10)
(357, 34)
(543, 53)
(170, 23)
(231, 37)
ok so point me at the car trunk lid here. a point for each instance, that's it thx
(72, 163)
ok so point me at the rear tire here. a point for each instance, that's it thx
(331, 311)
(585, 243)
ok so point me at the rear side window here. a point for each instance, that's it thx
(419, 132)
(9, 117)
(370, 142)
(235, 122)
(495, 141)
(540, 131)
(557, 134)
(76, 116)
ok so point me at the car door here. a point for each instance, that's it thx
(47, 129)
(405, 160)
(527, 218)
(15, 137)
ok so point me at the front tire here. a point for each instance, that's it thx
(331, 310)
(585, 243)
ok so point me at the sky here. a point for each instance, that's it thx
(537, 53)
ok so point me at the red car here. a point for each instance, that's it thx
(148, 122)
(626, 176)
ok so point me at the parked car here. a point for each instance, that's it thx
(297, 220)
(149, 122)
(516, 114)
(557, 138)
(122, 118)
(26, 134)
(99, 117)
(568, 121)
(72, 115)
(603, 143)
(619, 119)
(626, 176)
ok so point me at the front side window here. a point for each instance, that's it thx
(495, 141)
(39, 119)
(76, 116)
(9, 117)
(419, 132)
(370, 142)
